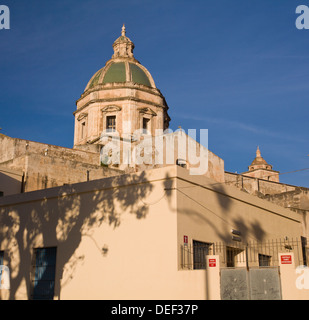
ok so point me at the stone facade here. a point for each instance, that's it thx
(45, 166)
(254, 185)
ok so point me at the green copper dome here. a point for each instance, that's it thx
(121, 72)
(139, 76)
(95, 79)
(122, 67)
(115, 73)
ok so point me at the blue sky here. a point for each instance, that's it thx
(237, 68)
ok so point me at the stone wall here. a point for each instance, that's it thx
(47, 166)
(255, 185)
(11, 148)
(298, 198)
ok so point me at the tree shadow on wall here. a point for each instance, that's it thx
(219, 218)
(64, 220)
(249, 229)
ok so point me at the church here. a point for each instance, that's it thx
(133, 209)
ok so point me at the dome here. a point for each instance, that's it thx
(123, 67)
(259, 161)
(138, 75)
(121, 72)
(115, 73)
(120, 96)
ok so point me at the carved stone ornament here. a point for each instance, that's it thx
(82, 116)
(147, 110)
(111, 109)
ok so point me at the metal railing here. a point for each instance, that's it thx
(239, 254)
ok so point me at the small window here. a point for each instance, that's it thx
(264, 260)
(1, 194)
(111, 123)
(233, 256)
(146, 123)
(83, 130)
(44, 267)
(200, 250)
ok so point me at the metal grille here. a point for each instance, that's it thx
(44, 273)
(200, 250)
(238, 254)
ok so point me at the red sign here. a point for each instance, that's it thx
(286, 259)
(212, 262)
(185, 239)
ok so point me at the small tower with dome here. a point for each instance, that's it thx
(259, 168)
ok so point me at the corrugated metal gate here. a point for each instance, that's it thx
(257, 283)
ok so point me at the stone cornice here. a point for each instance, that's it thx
(130, 98)
(100, 87)
(147, 111)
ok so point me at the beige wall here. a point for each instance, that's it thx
(130, 216)
(10, 181)
(284, 195)
(119, 238)
(208, 211)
